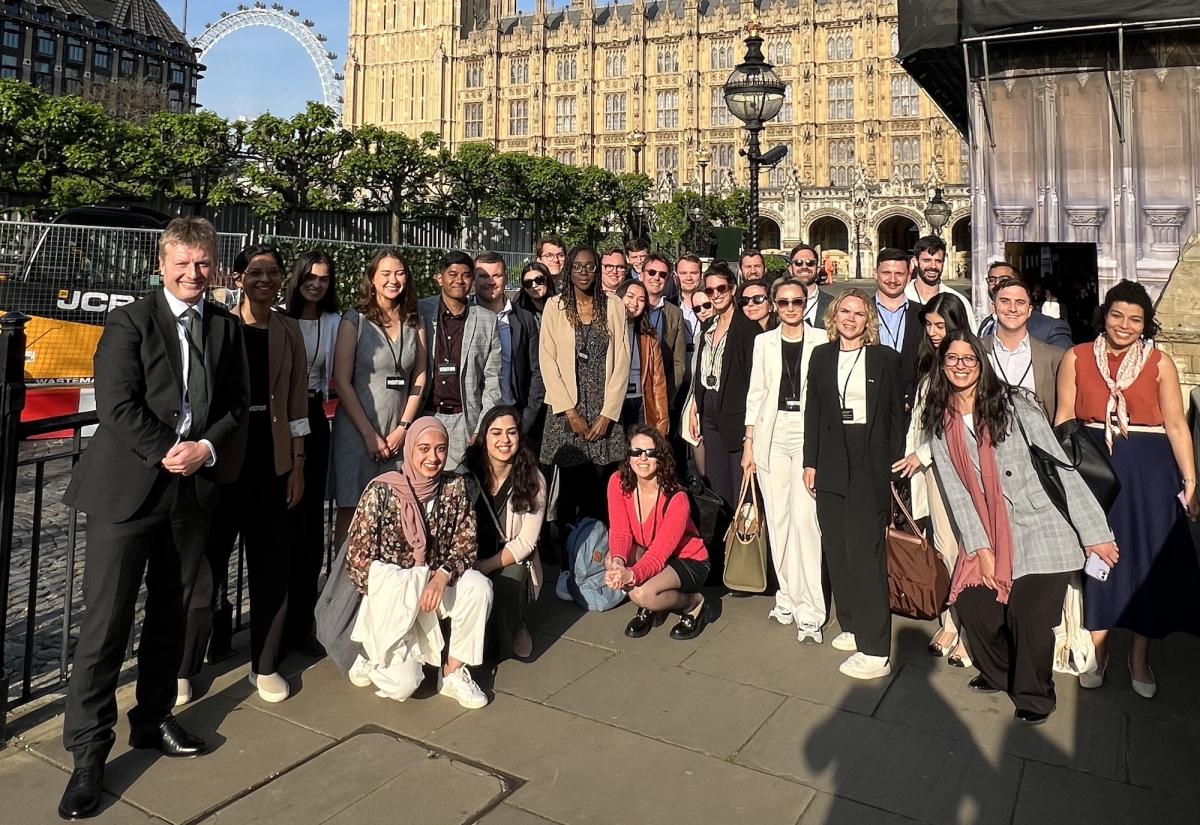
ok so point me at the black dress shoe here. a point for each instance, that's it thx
(689, 627)
(169, 738)
(82, 796)
(1029, 717)
(981, 685)
(640, 624)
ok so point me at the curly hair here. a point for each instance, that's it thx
(872, 334)
(993, 397)
(1129, 292)
(525, 473)
(599, 299)
(664, 474)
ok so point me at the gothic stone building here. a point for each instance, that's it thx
(576, 82)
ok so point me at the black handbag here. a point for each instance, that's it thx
(712, 518)
(1081, 451)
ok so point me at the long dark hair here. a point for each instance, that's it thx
(300, 272)
(668, 481)
(368, 306)
(523, 299)
(525, 474)
(951, 309)
(599, 299)
(993, 398)
(641, 324)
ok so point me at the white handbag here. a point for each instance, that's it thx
(1074, 652)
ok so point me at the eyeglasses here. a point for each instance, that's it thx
(747, 300)
(804, 261)
(638, 452)
(785, 303)
(537, 280)
(613, 267)
(952, 359)
(719, 289)
(589, 268)
(658, 273)
(264, 273)
(704, 307)
(552, 256)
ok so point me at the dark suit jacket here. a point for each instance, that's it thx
(909, 348)
(139, 386)
(824, 299)
(526, 370)
(1052, 331)
(824, 435)
(736, 362)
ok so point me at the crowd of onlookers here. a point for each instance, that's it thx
(477, 427)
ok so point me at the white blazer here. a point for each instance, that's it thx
(766, 372)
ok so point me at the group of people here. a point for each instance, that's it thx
(471, 421)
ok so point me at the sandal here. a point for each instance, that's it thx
(958, 656)
(936, 649)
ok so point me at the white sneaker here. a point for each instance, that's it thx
(360, 672)
(810, 631)
(271, 686)
(862, 666)
(780, 615)
(844, 641)
(183, 692)
(560, 588)
(460, 687)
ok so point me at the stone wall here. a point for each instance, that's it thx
(1178, 312)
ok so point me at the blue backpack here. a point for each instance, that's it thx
(587, 547)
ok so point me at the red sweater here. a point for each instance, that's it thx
(668, 531)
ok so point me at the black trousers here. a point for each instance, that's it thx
(307, 527)
(852, 542)
(1013, 644)
(165, 542)
(722, 468)
(256, 506)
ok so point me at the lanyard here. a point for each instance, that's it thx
(793, 377)
(849, 375)
(637, 501)
(317, 349)
(894, 334)
(1004, 374)
(396, 354)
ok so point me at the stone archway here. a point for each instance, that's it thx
(769, 234)
(899, 232)
(960, 246)
(828, 233)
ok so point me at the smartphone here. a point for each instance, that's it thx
(1183, 499)
(1096, 567)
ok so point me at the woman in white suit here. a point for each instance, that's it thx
(775, 448)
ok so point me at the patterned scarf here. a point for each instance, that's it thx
(989, 506)
(1128, 371)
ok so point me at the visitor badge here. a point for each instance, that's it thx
(447, 369)
(847, 414)
(399, 383)
(792, 404)
(583, 356)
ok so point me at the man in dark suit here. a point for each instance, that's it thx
(520, 376)
(1052, 331)
(804, 264)
(170, 395)
(899, 324)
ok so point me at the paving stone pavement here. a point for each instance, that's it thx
(740, 725)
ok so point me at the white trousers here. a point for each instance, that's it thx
(467, 605)
(944, 540)
(792, 524)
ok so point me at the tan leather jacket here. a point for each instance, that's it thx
(654, 383)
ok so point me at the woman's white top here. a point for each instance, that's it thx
(852, 384)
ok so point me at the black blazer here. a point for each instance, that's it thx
(824, 436)
(526, 372)
(909, 347)
(139, 385)
(736, 362)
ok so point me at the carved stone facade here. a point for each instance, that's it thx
(575, 82)
(1069, 161)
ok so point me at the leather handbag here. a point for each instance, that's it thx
(746, 542)
(1080, 451)
(918, 581)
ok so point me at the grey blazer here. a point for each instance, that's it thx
(479, 372)
(1043, 541)
(1045, 358)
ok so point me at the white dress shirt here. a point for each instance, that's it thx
(184, 424)
(1015, 367)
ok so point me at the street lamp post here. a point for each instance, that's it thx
(702, 158)
(696, 214)
(754, 94)
(937, 212)
(860, 216)
(637, 141)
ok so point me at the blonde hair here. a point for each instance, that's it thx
(188, 231)
(872, 334)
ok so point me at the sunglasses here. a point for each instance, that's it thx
(804, 262)
(638, 452)
(658, 273)
(746, 301)
(720, 289)
(539, 280)
(704, 307)
(785, 303)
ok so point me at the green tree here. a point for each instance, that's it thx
(388, 171)
(292, 163)
(194, 157)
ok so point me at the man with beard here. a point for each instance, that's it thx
(804, 264)
(928, 260)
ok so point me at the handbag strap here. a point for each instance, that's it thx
(491, 511)
(1044, 453)
(909, 522)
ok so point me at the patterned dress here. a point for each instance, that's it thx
(561, 446)
(376, 534)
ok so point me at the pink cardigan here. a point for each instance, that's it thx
(674, 534)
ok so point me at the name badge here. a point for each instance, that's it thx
(399, 383)
(632, 389)
(847, 414)
(447, 369)
(792, 404)
(582, 356)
